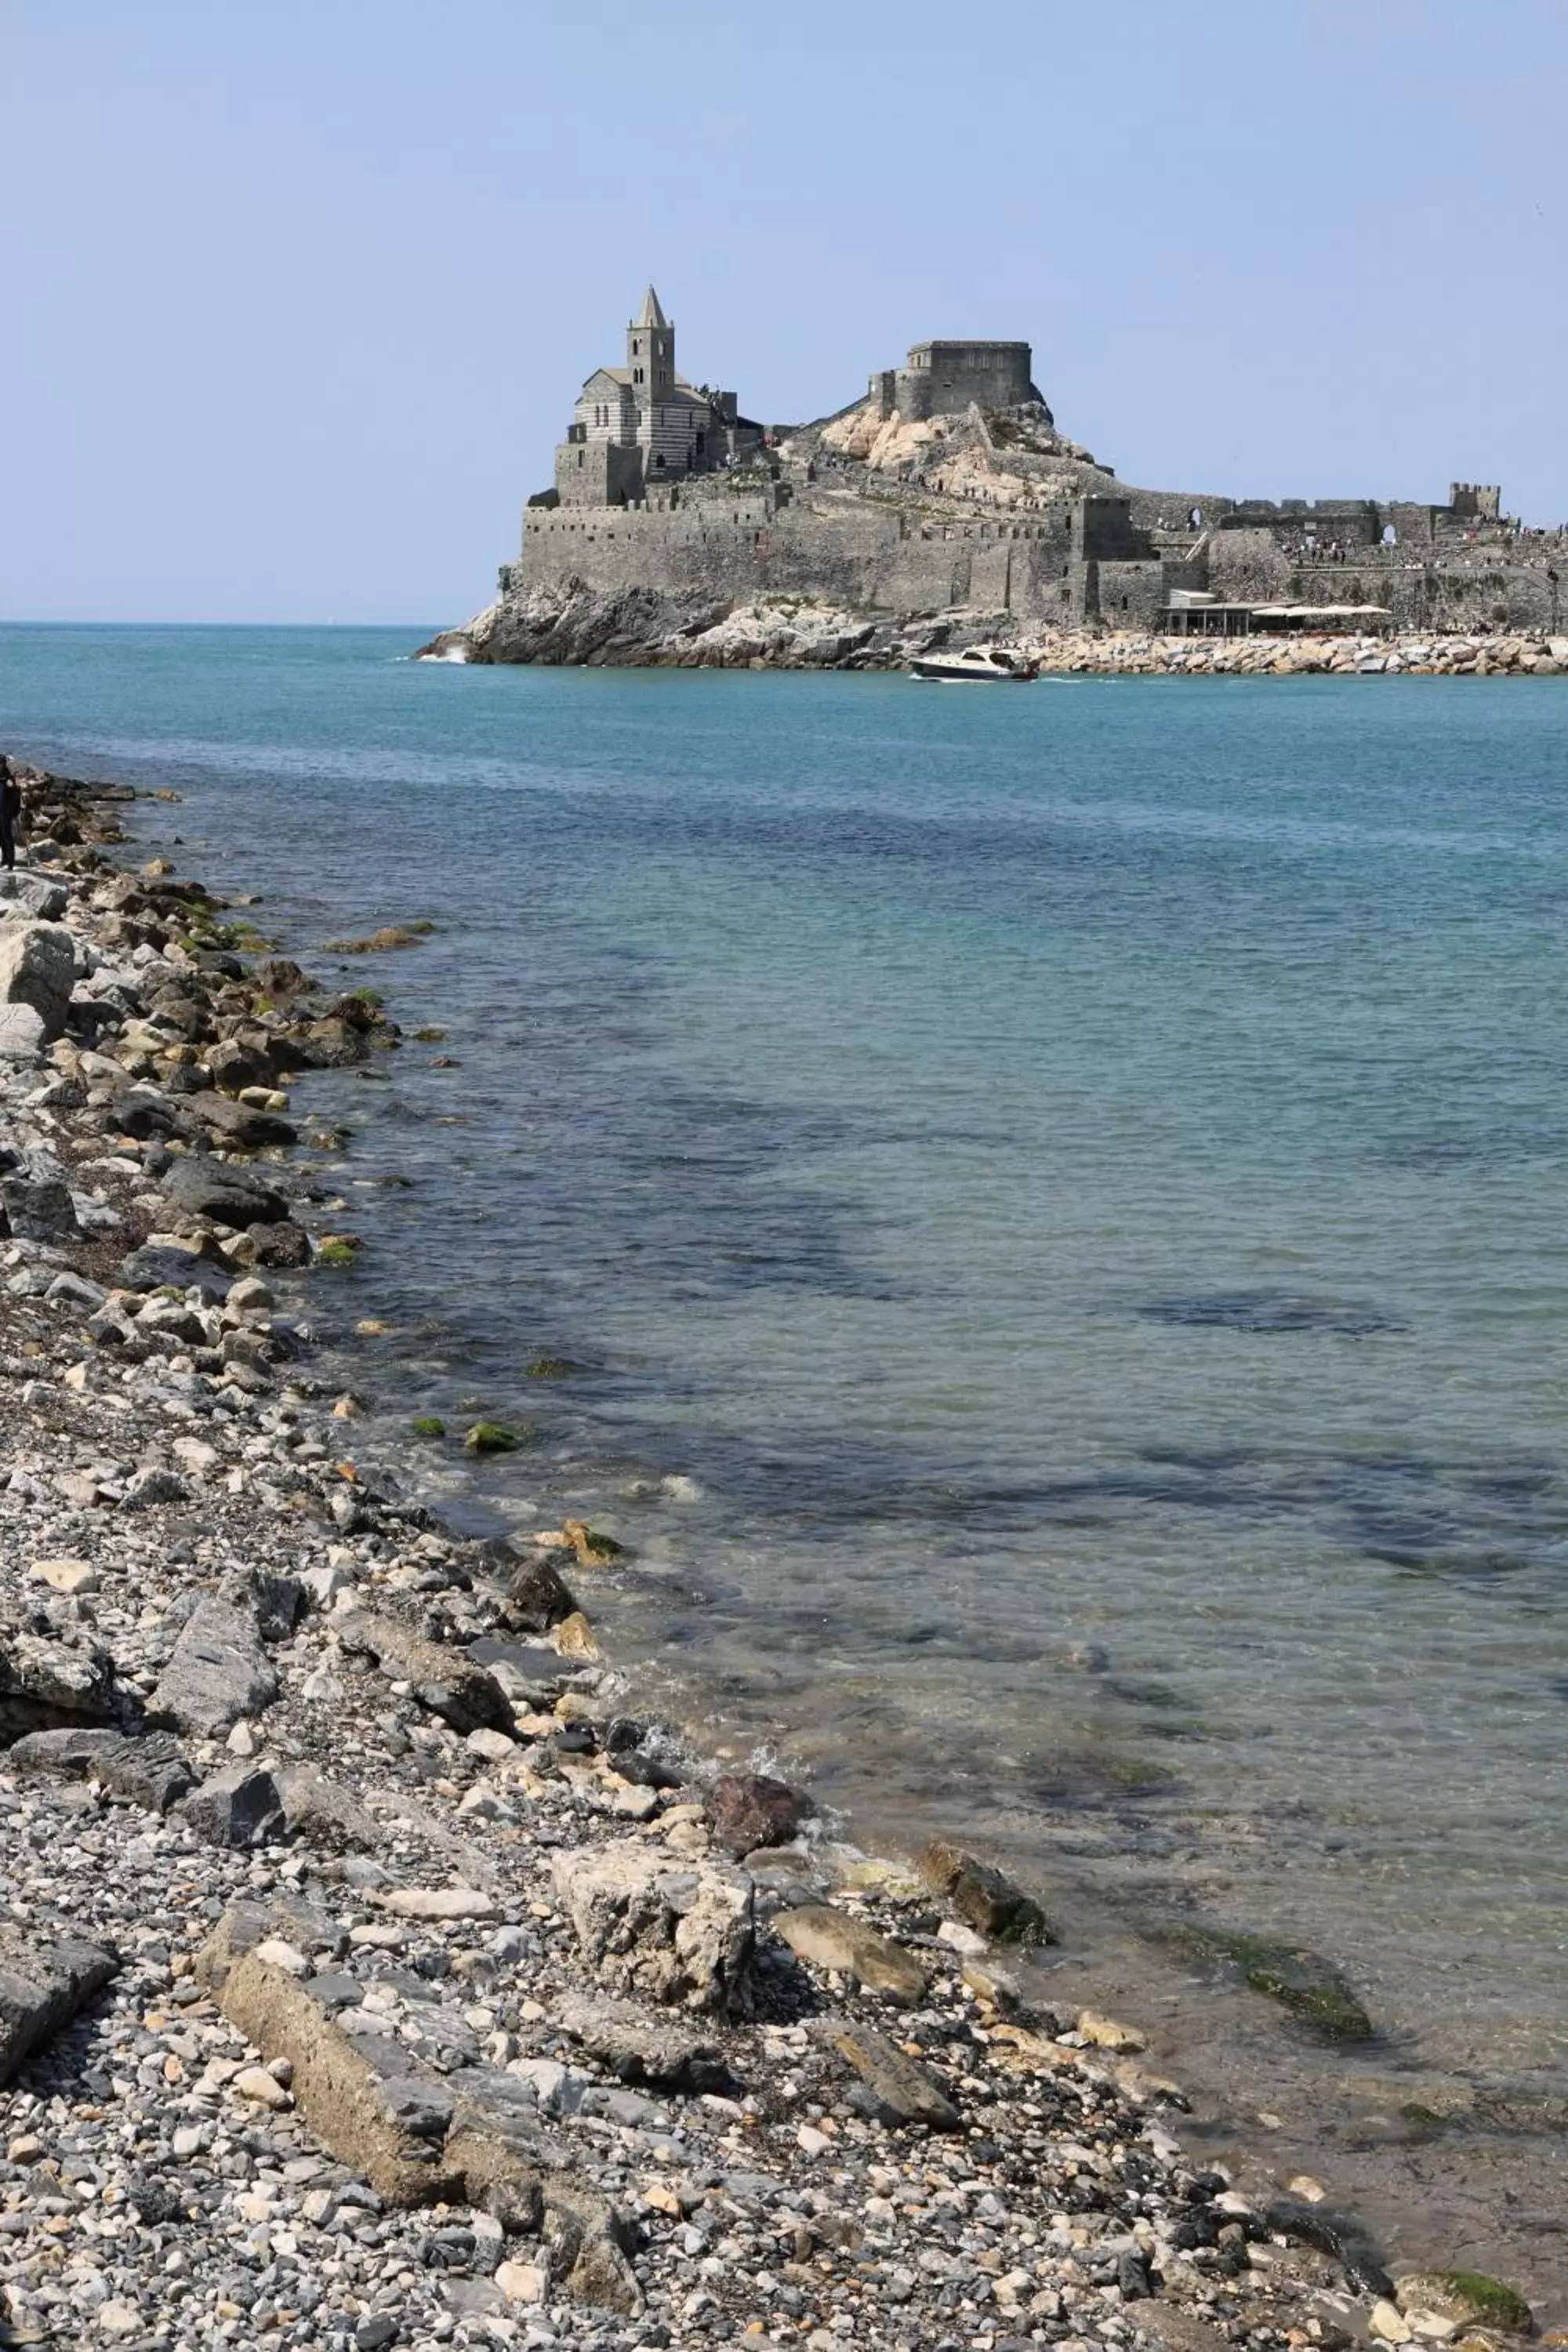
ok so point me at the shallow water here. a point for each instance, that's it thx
(1058, 1199)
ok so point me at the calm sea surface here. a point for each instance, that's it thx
(1060, 1199)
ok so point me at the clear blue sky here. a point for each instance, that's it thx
(298, 296)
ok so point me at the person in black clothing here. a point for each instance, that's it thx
(10, 810)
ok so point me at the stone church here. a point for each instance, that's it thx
(638, 430)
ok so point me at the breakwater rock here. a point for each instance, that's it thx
(369, 1978)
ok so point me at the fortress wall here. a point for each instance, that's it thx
(1170, 509)
(868, 558)
(889, 558)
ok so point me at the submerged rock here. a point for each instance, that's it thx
(1303, 1982)
(1466, 2297)
(983, 1898)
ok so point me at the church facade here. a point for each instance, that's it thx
(639, 429)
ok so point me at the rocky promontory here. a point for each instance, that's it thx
(576, 624)
(372, 1972)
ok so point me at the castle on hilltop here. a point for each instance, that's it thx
(945, 379)
(946, 488)
(640, 427)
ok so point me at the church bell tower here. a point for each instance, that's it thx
(650, 351)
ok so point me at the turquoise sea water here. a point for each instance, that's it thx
(1060, 1198)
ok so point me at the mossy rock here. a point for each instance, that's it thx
(1310, 1988)
(1136, 1777)
(428, 1425)
(553, 1367)
(589, 1544)
(429, 1036)
(1468, 2296)
(338, 1252)
(494, 1437)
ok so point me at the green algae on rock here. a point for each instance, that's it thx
(494, 1437)
(589, 1544)
(1310, 1988)
(1467, 2295)
(428, 1425)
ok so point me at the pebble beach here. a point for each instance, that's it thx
(375, 1972)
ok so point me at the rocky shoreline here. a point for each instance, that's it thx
(576, 626)
(372, 1973)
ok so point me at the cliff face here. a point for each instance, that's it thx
(576, 624)
(573, 622)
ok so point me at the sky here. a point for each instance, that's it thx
(297, 298)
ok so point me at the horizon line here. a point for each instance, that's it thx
(18, 621)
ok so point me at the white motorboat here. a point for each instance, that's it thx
(976, 665)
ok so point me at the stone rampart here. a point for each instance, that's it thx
(874, 557)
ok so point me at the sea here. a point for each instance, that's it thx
(1048, 1210)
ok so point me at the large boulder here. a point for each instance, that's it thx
(898, 2088)
(672, 1932)
(222, 1193)
(218, 1672)
(267, 1803)
(240, 1806)
(37, 969)
(452, 1685)
(33, 895)
(471, 2136)
(642, 2045)
(22, 1033)
(165, 1268)
(747, 1810)
(239, 1123)
(35, 1204)
(831, 1940)
(49, 1685)
(981, 1897)
(150, 1772)
(44, 1979)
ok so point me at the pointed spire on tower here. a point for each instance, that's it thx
(650, 315)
